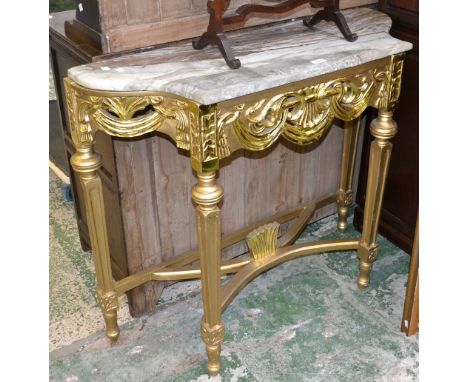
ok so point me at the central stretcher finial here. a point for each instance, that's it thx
(262, 241)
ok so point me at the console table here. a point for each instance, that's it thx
(291, 87)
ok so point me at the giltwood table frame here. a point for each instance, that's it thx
(300, 112)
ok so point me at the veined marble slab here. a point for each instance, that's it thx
(271, 56)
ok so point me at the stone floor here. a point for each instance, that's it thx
(304, 320)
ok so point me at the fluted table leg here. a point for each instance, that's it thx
(86, 162)
(348, 157)
(207, 194)
(383, 128)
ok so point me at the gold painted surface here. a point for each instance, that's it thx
(301, 116)
(383, 128)
(348, 158)
(386, 98)
(204, 149)
(262, 241)
(300, 112)
(194, 272)
(86, 162)
(177, 268)
(213, 337)
(207, 194)
(108, 301)
(282, 255)
(126, 115)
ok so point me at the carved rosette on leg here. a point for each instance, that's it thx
(213, 337)
(207, 194)
(345, 199)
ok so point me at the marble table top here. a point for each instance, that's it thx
(271, 56)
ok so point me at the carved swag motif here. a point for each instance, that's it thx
(125, 116)
(301, 116)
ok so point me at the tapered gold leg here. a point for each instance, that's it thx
(207, 194)
(86, 162)
(383, 128)
(348, 157)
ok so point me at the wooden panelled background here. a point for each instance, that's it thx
(155, 182)
(131, 24)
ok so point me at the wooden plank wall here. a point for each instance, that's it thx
(155, 181)
(131, 24)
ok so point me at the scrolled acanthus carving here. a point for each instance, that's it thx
(300, 116)
(372, 256)
(212, 336)
(125, 116)
(345, 198)
(109, 301)
(390, 84)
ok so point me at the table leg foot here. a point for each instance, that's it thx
(213, 336)
(348, 158)
(342, 216)
(343, 210)
(112, 328)
(365, 269)
(214, 362)
(109, 304)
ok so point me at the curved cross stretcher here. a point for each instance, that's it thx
(300, 112)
